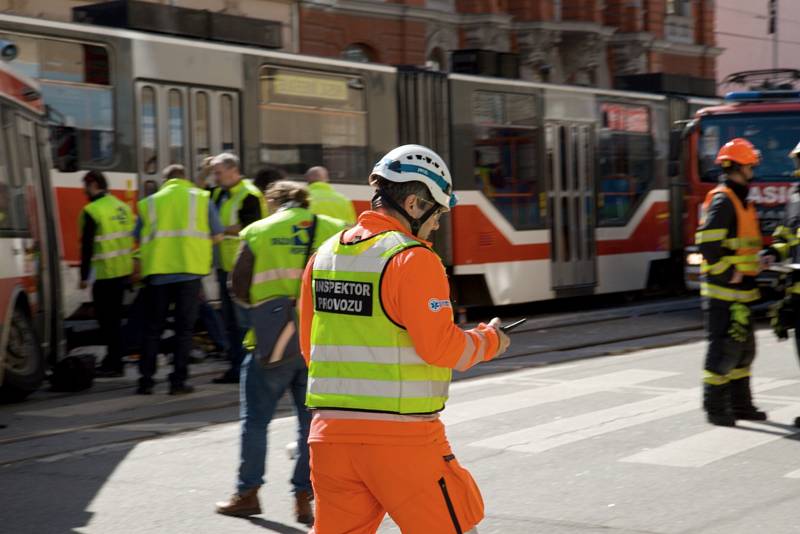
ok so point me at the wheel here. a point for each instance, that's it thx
(24, 359)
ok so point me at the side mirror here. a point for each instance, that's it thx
(64, 143)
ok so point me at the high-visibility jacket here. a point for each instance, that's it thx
(786, 237)
(325, 200)
(113, 238)
(279, 244)
(229, 216)
(175, 235)
(361, 359)
(741, 250)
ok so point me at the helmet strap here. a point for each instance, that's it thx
(380, 198)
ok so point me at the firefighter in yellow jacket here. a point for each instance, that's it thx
(729, 238)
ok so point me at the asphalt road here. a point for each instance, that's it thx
(591, 424)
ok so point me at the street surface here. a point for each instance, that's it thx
(558, 440)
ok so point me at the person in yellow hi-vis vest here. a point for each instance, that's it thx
(729, 238)
(265, 281)
(325, 200)
(239, 203)
(176, 229)
(106, 225)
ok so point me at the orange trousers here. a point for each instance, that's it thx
(422, 488)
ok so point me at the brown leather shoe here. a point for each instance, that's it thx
(241, 504)
(302, 508)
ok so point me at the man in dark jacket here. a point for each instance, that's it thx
(729, 238)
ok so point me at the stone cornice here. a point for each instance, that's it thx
(565, 26)
(399, 11)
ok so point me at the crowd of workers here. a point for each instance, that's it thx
(315, 303)
(319, 304)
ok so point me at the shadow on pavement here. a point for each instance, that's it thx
(274, 526)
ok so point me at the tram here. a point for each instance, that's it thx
(564, 190)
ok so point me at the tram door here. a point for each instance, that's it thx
(181, 124)
(571, 167)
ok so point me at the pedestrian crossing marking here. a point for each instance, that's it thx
(718, 443)
(487, 406)
(548, 436)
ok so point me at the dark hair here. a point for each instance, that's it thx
(285, 191)
(268, 175)
(96, 177)
(173, 171)
(399, 191)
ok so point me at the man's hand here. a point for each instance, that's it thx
(737, 277)
(765, 261)
(83, 284)
(504, 339)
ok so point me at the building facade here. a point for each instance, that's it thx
(584, 42)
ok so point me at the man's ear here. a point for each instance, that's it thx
(410, 203)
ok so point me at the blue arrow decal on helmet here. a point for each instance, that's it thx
(440, 181)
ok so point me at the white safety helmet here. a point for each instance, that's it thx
(795, 153)
(416, 163)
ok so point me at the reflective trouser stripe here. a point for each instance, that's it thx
(738, 373)
(714, 379)
(795, 288)
(727, 294)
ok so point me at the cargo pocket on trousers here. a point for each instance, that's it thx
(461, 495)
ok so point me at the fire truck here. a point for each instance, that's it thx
(768, 115)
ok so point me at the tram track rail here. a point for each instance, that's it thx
(603, 332)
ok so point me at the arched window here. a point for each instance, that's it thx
(359, 52)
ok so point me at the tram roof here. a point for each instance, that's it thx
(550, 86)
(89, 29)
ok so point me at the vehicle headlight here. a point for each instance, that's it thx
(694, 258)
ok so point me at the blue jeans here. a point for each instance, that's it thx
(260, 389)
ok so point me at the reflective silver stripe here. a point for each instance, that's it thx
(236, 203)
(180, 233)
(192, 209)
(362, 263)
(371, 260)
(113, 254)
(277, 274)
(347, 353)
(377, 388)
(153, 218)
(466, 361)
(110, 237)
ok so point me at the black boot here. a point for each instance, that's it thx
(742, 401)
(716, 402)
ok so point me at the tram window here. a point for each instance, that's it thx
(627, 154)
(149, 130)
(309, 118)
(228, 126)
(506, 146)
(27, 167)
(176, 143)
(202, 128)
(75, 81)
